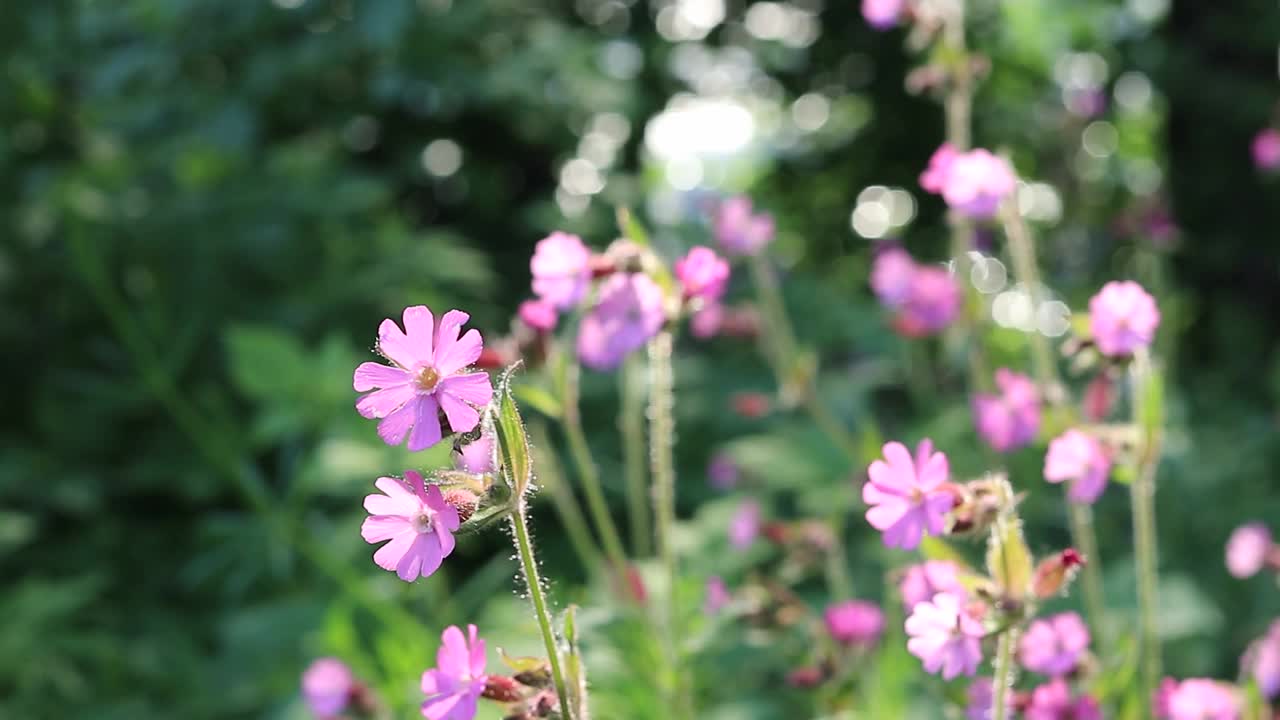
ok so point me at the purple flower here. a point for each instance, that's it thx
(1122, 318)
(717, 596)
(1053, 701)
(744, 526)
(561, 266)
(739, 231)
(908, 498)
(982, 698)
(1262, 662)
(628, 313)
(854, 622)
(703, 274)
(539, 315)
(454, 685)
(417, 521)
(882, 14)
(891, 277)
(945, 637)
(931, 304)
(327, 685)
(934, 178)
(722, 472)
(1011, 419)
(1078, 459)
(1199, 699)
(1054, 646)
(1266, 150)
(921, 582)
(1247, 550)
(427, 377)
(476, 457)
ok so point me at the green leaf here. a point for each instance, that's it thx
(521, 664)
(575, 669)
(540, 399)
(631, 228)
(1008, 558)
(513, 444)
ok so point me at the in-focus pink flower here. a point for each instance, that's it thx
(739, 230)
(717, 596)
(1266, 150)
(703, 274)
(417, 521)
(891, 277)
(854, 622)
(1053, 646)
(539, 315)
(907, 497)
(1010, 419)
(707, 321)
(744, 526)
(1247, 550)
(931, 304)
(882, 14)
(327, 686)
(921, 582)
(982, 697)
(945, 637)
(428, 376)
(1053, 701)
(1078, 459)
(454, 685)
(722, 472)
(1122, 318)
(1262, 662)
(476, 457)
(1200, 699)
(561, 266)
(628, 313)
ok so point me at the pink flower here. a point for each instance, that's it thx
(717, 596)
(1078, 459)
(1262, 662)
(739, 231)
(561, 267)
(327, 686)
(538, 314)
(945, 637)
(854, 622)
(426, 377)
(977, 182)
(1053, 701)
(1247, 550)
(722, 472)
(1198, 699)
(454, 685)
(882, 14)
(476, 457)
(703, 274)
(628, 313)
(1122, 318)
(891, 277)
(908, 498)
(1011, 419)
(1266, 150)
(744, 526)
(921, 582)
(931, 304)
(982, 698)
(707, 321)
(417, 521)
(934, 178)
(1054, 646)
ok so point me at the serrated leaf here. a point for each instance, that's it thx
(1008, 558)
(513, 444)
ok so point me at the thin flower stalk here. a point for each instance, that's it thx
(1005, 673)
(529, 566)
(1142, 493)
(633, 380)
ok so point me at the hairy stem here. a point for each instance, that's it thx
(529, 565)
(1005, 673)
(631, 424)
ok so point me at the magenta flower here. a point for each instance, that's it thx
(882, 14)
(977, 182)
(476, 457)
(1008, 420)
(744, 526)
(921, 582)
(722, 472)
(1266, 150)
(454, 685)
(891, 277)
(1262, 662)
(1122, 318)
(1078, 459)
(417, 521)
(1199, 699)
(982, 697)
(1053, 701)
(1054, 646)
(703, 274)
(561, 266)
(538, 314)
(717, 596)
(327, 686)
(628, 313)
(934, 178)
(945, 636)
(854, 622)
(1247, 550)
(427, 377)
(739, 230)
(908, 498)
(931, 304)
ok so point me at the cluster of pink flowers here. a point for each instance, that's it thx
(1009, 419)
(972, 183)
(924, 298)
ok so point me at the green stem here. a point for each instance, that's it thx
(529, 565)
(1086, 541)
(631, 424)
(1005, 673)
(551, 476)
(1143, 495)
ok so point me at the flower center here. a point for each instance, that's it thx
(422, 523)
(428, 378)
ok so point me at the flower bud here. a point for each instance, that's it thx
(806, 677)
(751, 405)
(1099, 398)
(502, 689)
(1055, 573)
(463, 500)
(539, 677)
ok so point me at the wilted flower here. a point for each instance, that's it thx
(1008, 420)
(703, 274)
(854, 622)
(476, 457)
(891, 276)
(427, 377)
(717, 596)
(739, 231)
(561, 266)
(538, 314)
(973, 183)
(945, 637)
(1262, 662)
(907, 497)
(931, 304)
(1247, 550)
(1054, 646)
(417, 521)
(327, 687)
(1122, 318)
(1053, 701)
(455, 684)
(628, 313)
(1198, 699)
(921, 582)
(744, 527)
(882, 14)
(1266, 150)
(1080, 460)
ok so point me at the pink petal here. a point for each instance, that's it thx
(447, 336)
(394, 345)
(435, 682)
(446, 514)
(396, 426)
(430, 554)
(886, 514)
(906, 532)
(413, 480)
(389, 555)
(370, 375)
(460, 354)
(935, 471)
(899, 459)
(381, 403)
(474, 388)
(377, 528)
(444, 540)
(426, 423)
(477, 653)
(451, 658)
(462, 417)
(886, 482)
(419, 328)
(398, 498)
